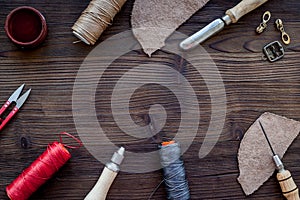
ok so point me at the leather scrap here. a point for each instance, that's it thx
(255, 156)
(153, 21)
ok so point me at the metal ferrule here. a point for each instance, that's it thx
(278, 163)
(226, 19)
(113, 167)
(116, 160)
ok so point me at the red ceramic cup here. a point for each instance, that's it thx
(26, 27)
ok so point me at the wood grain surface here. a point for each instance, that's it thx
(252, 86)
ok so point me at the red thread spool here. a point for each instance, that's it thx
(41, 170)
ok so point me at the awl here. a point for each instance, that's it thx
(288, 186)
(231, 16)
(107, 177)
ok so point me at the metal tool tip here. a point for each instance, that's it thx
(186, 44)
(121, 151)
(22, 86)
(265, 134)
(182, 46)
(27, 92)
(261, 126)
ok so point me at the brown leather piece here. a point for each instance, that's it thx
(255, 156)
(155, 20)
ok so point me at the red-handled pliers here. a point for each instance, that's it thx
(19, 102)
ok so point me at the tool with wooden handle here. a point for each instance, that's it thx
(231, 16)
(107, 177)
(288, 187)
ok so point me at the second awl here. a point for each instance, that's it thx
(288, 186)
(107, 177)
(231, 16)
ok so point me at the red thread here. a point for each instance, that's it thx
(38, 172)
(71, 136)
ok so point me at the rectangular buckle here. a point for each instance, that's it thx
(273, 51)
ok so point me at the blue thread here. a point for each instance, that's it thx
(174, 172)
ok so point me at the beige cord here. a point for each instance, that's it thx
(95, 19)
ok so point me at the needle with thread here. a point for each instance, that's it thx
(288, 187)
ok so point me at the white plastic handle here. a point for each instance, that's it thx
(102, 186)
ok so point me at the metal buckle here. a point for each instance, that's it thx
(273, 51)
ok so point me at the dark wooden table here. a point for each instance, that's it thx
(252, 85)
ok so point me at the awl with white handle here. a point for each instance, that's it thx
(107, 177)
(231, 16)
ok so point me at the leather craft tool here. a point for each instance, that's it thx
(14, 98)
(255, 161)
(231, 16)
(288, 187)
(107, 177)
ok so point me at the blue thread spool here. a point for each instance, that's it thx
(174, 172)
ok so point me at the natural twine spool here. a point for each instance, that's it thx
(95, 19)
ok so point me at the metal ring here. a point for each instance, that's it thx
(266, 16)
(285, 38)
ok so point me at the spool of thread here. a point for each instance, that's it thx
(95, 19)
(174, 172)
(41, 170)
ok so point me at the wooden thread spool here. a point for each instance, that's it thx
(95, 19)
